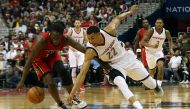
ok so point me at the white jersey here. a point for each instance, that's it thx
(78, 37)
(112, 51)
(157, 38)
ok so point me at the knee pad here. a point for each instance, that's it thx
(114, 73)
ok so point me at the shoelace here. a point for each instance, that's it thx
(62, 105)
(77, 100)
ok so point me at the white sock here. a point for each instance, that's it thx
(138, 105)
(121, 83)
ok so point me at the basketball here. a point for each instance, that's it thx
(35, 95)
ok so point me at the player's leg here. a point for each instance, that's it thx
(151, 62)
(119, 80)
(152, 72)
(73, 65)
(67, 82)
(65, 76)
(160, 69)
(139, 73)
(43, 73)
(80, 61)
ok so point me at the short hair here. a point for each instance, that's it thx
(176, 49)
(57, 26)
(93, 29)
(160, 19)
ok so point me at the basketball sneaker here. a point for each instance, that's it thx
(158, 90)
(62, 105)
(80, 104)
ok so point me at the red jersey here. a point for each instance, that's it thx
(143, 54)
(141, 33)
(49, 48)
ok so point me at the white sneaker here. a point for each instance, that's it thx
(158, 90)
(182, 82)
(187, 82)
(80, 104)
(186, 72)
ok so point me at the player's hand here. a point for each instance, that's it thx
(134, 8)
(69, 99)
(19, 86)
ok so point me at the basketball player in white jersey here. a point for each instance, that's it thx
(104, 44)
(153, 42)
(76, 58)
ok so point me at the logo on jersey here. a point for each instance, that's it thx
(111, 45)
(157, 37)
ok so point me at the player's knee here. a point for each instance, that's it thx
(160, 63)
(114, 73)
(48, 79)
(150, 83)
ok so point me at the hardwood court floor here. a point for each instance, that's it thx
(175, 97)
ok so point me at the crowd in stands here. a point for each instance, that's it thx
(179, 64)
(28, 18)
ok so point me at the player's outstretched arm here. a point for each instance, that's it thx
(70, 42)
(113, 25)
(40, 43)
(89, 55)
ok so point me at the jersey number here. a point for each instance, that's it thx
(112, 53)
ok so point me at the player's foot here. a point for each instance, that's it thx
(62, 105)
(158, 90)
(182, 82)
(80, 104)
(137, 105)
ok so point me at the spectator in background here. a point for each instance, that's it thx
(3, 51)
(175, 64)
(3, 67)
(186, 68)
(16, 23)
(90, 9)
(12, 53)
(6, 43)
(45, 26)
(91, 3)
(185, 44)
(93, 20)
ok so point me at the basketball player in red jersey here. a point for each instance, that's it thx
(46, 60)
(138, 38)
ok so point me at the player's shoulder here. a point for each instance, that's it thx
(167, 31)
